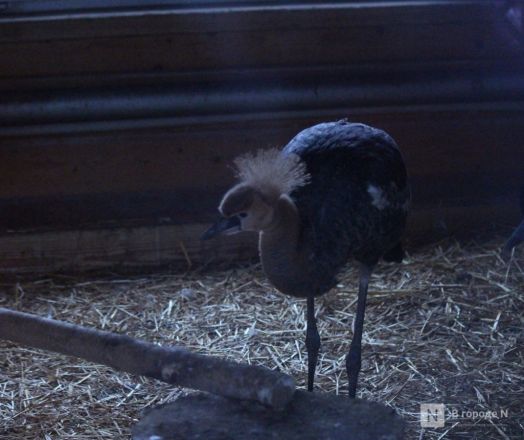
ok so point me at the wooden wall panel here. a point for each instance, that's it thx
(118, 129)
(229, 37)
(284, 48)
(454, 157)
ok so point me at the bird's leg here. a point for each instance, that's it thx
(312, 342)
(354, 355)
(516, 238)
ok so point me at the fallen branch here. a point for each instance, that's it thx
(173, 365)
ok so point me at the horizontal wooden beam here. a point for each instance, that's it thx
(436, 140)
(253, 37)
(179, 246)
(110, 211)
(116, 108)
(124, 249)
(151, 19)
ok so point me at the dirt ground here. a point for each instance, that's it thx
(445, 327)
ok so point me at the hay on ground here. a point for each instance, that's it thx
(446, 326)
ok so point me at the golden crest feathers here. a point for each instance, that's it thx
(272, 170)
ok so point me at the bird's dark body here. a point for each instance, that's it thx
(355, 205)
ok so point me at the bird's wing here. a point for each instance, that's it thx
(337, 213)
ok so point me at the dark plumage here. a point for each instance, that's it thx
(337, 191)
(339, 220)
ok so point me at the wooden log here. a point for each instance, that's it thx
(308, 416)
(173, 365)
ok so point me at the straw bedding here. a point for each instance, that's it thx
(446, 326)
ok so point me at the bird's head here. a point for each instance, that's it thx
(243, 208)
(250, 204)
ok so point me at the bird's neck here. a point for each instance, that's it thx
(282, 256)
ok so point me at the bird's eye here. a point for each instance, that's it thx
(242, 215)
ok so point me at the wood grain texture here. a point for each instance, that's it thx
(450, 154)
(118, 127)
(179, 246)
(233, 38)
(174, 365)
(124, 249)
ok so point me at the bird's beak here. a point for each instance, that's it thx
(226, 226)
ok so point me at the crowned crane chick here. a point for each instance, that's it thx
(518, 234)
(337, 191)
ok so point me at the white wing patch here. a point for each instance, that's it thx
(378, 197)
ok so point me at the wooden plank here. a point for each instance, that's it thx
(227, 39)
(231, 97)
(114, 211)
(232, 50)
(108, 210)
(123, 249)
(242, 18)
(129, 162)
(180, 248)
(449, 144)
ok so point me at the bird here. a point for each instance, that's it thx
(517, 236)
(338, 191)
